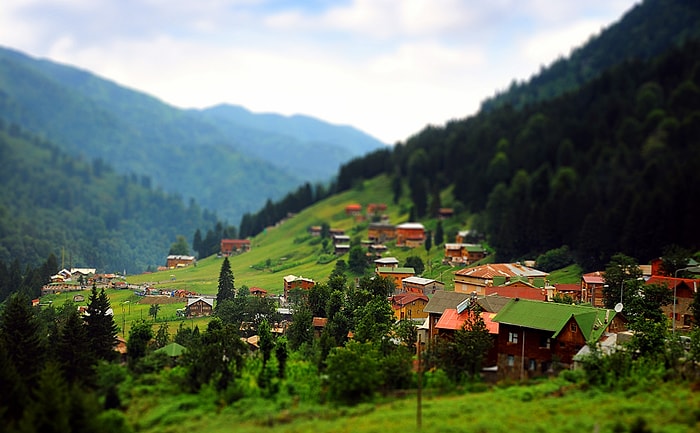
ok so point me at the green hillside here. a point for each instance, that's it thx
(291, 250)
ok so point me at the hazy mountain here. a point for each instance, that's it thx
(214, 155)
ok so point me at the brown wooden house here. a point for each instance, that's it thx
(533, 335)
(197, 307)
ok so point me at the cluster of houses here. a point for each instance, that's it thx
(532, 336)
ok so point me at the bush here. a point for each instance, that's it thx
(555, 259)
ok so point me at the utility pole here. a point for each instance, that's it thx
(419, 399)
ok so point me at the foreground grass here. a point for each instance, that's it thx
(552, 406)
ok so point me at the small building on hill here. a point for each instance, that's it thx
(425, 286)
(175, 261)
(292, 282)
(234, 246)
(410, 235)
(197, 307)
(396, 274)
(409, 306)
(476, 279)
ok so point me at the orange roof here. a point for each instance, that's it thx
(403, 299)
(319, 322)
(596, 277)
(452, 320)
(501, 269)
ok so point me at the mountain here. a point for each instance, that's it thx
(606, 167)
(84, 212)
(295, 139)
(210, 155)
(647, 30)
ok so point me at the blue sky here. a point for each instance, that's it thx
(387, 67)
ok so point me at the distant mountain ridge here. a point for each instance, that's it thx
(210, 155)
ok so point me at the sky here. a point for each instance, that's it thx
(386, 67)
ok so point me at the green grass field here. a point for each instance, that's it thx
(552, 406)
(289, 249)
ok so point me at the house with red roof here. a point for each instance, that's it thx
(454, 319)
(476, 279)
(408, 306)
(684, 289)
(234, 246)
(592, 288)
(410, 235)
(518, 289)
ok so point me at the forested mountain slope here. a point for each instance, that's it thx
(611, 167)
(83, 212)
(207, 154)
(646, 31)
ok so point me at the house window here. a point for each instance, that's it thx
(511, 360)
(532, 364)
(513, 337)
(544, 342)
(573, 327)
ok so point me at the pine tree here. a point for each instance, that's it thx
(73, 351)
(102, 331)
(20, 333)
(226, 288)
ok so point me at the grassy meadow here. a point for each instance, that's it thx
(551, 406)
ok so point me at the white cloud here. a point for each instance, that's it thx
(383, 66)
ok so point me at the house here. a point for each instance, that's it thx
(386, 262)
(425, 286)
(374, 209)
(443, 300)
(684, 289)
(410, 235)
(396, 274)
(518, 289)
(197, 307)
(315, 231)
(258, 292)
(445, 213)
(353, 209)
(534, 334)
(381, 232)
(476, 279)
(377, 249)
(341, 239)
(453, 319)
(409, 306)
(460, 253)
(592, 288)
(234, 246)
(174, 261)
(468, 236)
(292, 282)
(318, 323)
(573, 290)
(340, 249)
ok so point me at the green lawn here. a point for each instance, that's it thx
(548, 407)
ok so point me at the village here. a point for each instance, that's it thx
(536, 327)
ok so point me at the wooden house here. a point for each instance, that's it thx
(410, 235)
(465, 254)
(386, 262)
(197, 307)
(176, 261)
(476, 279)
(685, 289)
(425, 286)
(409, 306)
(381, 232)
(396, 274)
(518, 289)
(454, 319)
(533, 335)
(592, 288)
(353, 209)
(234, 246)
(292, 282)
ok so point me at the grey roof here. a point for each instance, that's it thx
(492, 303)
(442, 300)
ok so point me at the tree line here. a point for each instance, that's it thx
(606, 168)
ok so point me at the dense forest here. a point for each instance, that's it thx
(83, 212)
(646, 31)
(608, 168)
